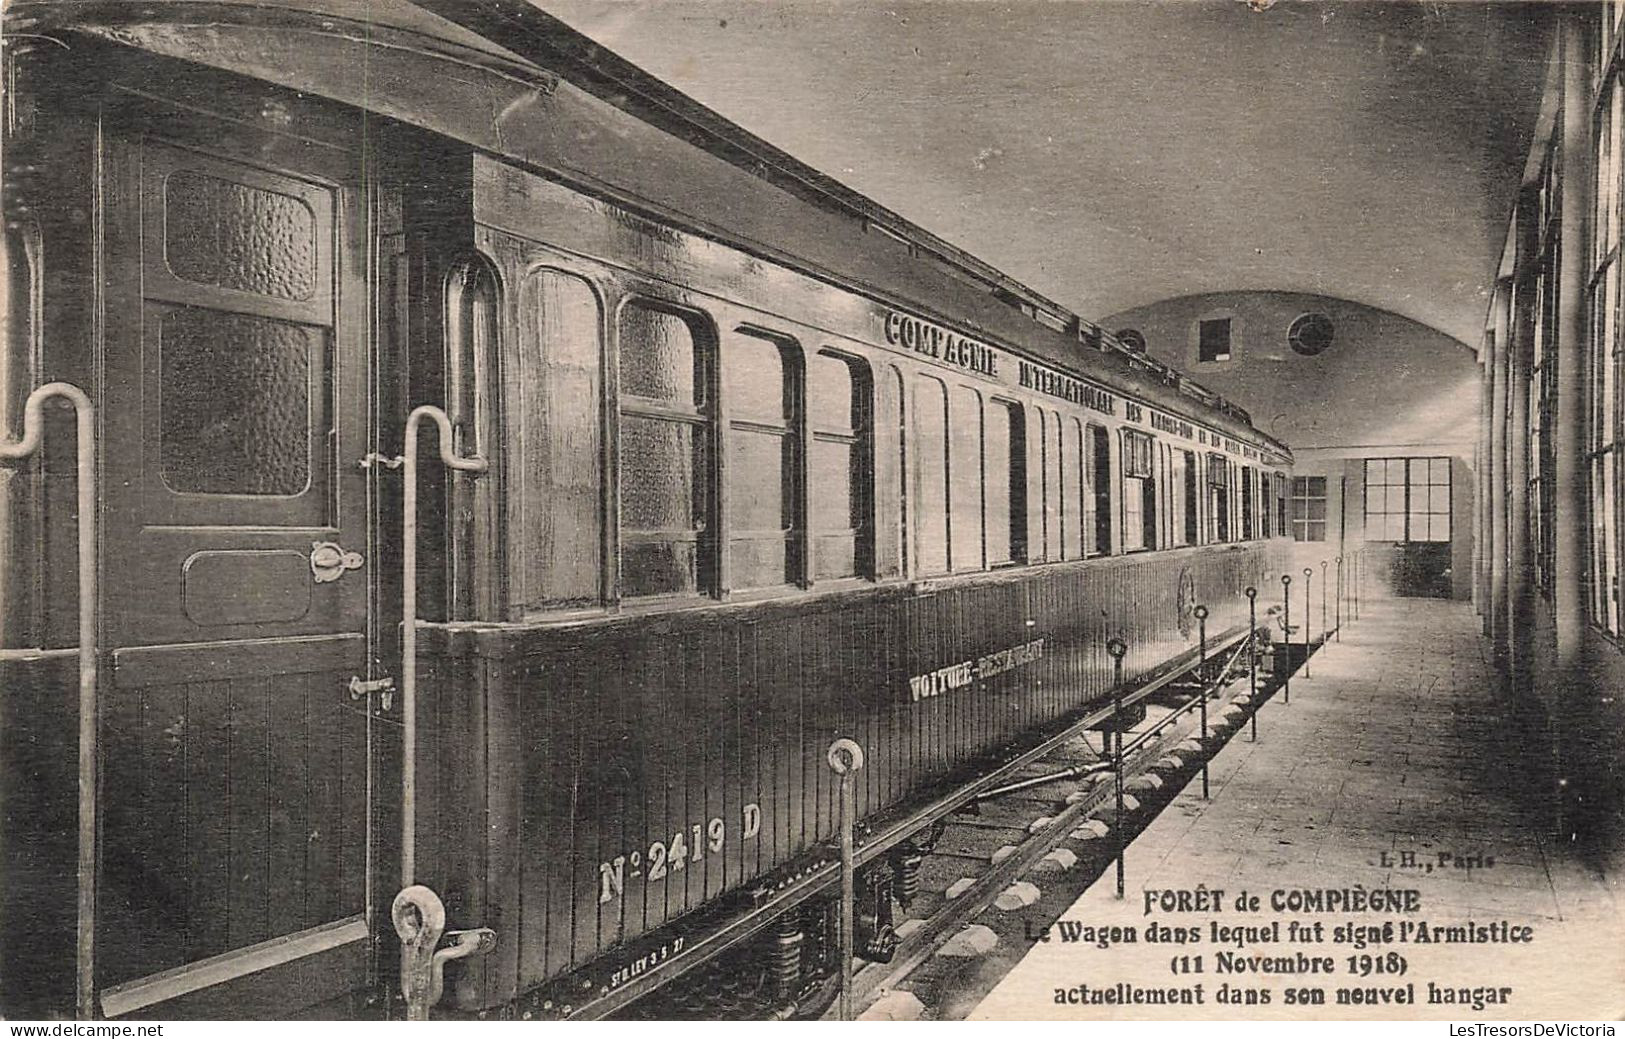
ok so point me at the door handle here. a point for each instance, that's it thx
(329, 560)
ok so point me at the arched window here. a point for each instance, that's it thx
(667, 452)
(555, 463)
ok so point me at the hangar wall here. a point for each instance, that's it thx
(1365, 397)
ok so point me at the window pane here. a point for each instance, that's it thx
(965, 467)
(838, 406)
(831, 396)
(236, 236)
(659, 463)
(929, 453)
(836, 556)
(1067, 492)
(1247, 511)
(753, 370)
(1052, 484)
(658, 359)
(659, 568)
(236, 402)
(998, 467)
(760, 562)
(834, 507)
(1100, 471)
(762, 465)
(1191, 501)
(1213, 339)
(1176, 494)
(555, 477)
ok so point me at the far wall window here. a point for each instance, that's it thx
(1213, 340)
(1407, 499)
(1308, 508)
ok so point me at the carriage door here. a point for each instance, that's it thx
(236, 565)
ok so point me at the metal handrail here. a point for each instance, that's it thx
(33, 434)
(409, 615)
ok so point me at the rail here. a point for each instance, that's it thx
(417, 913)
(33, 435)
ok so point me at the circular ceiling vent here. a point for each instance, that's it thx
(1132, 338)
(1311, 333)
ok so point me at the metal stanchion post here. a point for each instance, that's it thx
(1339, 607)
(845, 760)
(1286, 636)
(1201, 681)
(1118, 649)
(1252, 655)
(1357, 582)
(1323, 632)
(1308, 586)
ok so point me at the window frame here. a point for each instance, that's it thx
(1603, 457)
(1409, 484)
(861, 439)
(1302, 497)
(710, 539)
(1137, 447)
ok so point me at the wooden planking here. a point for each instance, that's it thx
(679, 721)
(208, 848)
(503, 906)
(325, 794)
(247, 811)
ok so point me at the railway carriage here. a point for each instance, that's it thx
(742, 463)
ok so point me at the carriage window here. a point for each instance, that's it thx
(761, 383)
(1218, 478)
(965, 469)
(930, 456)
(1139, 492)
(1066, 449)
(1247, 510)
(1181, 476)
(839, 406)
(1006, 483)
(1265, 509)
(1082, 529)
(899, 389)
(665, 452)
(1054, 509)
(1100, 477)
(555, 501)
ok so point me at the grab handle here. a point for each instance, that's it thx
(409, 615)
(33, 434)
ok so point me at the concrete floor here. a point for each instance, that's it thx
(1392, 754)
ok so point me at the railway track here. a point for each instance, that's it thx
(1002, 873)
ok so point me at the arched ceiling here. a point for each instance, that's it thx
(1111, 153)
